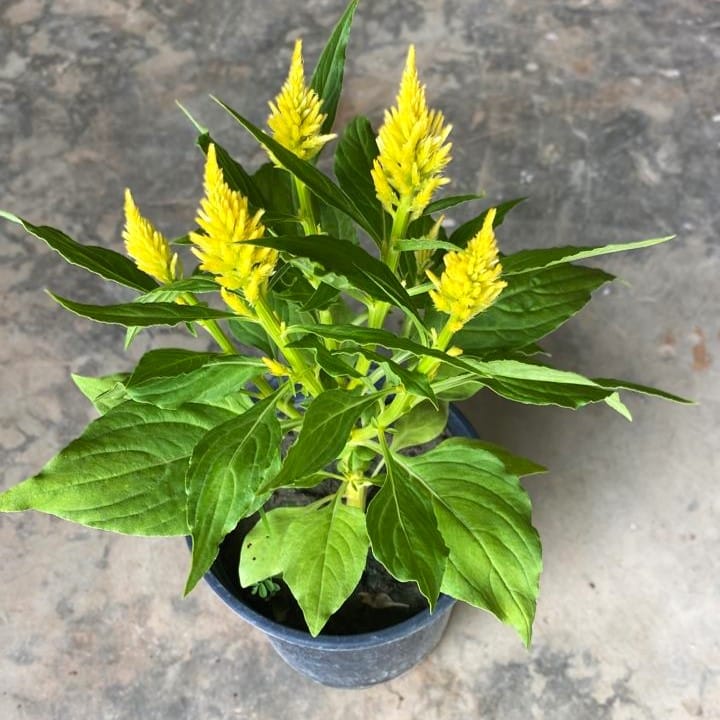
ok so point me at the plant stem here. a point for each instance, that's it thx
(212, 327)
(307, 216)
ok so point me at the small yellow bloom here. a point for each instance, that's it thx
(146, 245)
(227, 221)
(296, 119)
(275, 368)
(471, 280)
(413, 152)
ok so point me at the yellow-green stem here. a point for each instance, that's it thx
(307, 216)
(212, 328)
(305, 373)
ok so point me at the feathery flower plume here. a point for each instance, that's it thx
(296, 118)
(226, 219)
(471, 280)
(146, 245)
(413, 152)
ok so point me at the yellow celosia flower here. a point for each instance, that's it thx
(275, 368)
(296, 118)
(471, 280)
(227, 221)
(413, 152)
(146, 245)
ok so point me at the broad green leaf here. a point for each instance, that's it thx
(421, 425)
(528, 260)
(125, 473)
(323, 558)
(354, 157)
(451, 201)
(641, 389)
(452, 386)
(234, 173)
(251, 334)
(514, 464)
(319, 183)
(106, 263)
(531, 306)
(142, 314)
(103, 392)
(324, 297)
(337, 224)
(261, 555)
(462, 235)
(226, 470)
(170, 377)
(538, 384)
(324, 433)
(276, 186)
(366, 272)
(327, 79)
(483, 515)
(404, 532)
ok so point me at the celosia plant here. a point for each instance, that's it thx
(309, 270)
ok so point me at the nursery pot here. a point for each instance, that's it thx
(348, 661)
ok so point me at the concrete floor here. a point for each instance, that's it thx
(607, 114)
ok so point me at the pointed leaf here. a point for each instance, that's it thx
(527, 260)
(141, 314)
(642, 389)
(106, 263)
(463, 234)
(324, 433)
(451, 201)
(484, 518)
(531, 306)
(421, 425)
(226, 470)
(170, 377)
(324, 557)
(354, 157)
(327, 80)
(404, 532)
(125, 473)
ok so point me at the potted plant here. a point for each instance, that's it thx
(309, 457)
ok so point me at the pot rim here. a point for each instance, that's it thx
(458, 425)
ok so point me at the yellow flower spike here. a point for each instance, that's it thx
(225, 217)
(146, 245)
(471, 280)
(295, 116)
(275, 368)
(413, 152)
(235, 302)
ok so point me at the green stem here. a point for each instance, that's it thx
(307, 215)
(212, 327)
(305, 374)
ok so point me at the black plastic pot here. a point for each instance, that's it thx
(348, 661)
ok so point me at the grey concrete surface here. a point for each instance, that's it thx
(607, 114)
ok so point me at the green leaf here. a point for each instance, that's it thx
(106, 263)
(251, 334)
(483, 515)
(319, 183)
(463, 234)
(141, 314)
(528, 260)
(642, 389)
(324, 556)
(125, 473)
(531, 306)
(226, 470)
(451, 201)
(337, 224)
(354, 157)
(421, 425)
(103, 392)
(514, 464)
(538, 384)
(423, 243)
(327, 79)
(234, 173)
(324, 433)
(170, 377)
(404, 532)
(324, 297)
(366, 272)
(261, 554)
